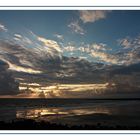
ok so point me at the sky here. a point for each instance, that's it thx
(70, 47)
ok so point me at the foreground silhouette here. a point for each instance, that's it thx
(27, 124)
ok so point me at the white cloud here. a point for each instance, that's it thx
(44, 47)
(23, 69)
(99, 46)
(38, 46)
(130, 42)
(15, 67)
(22, 40)
(50, 43)
(76, 28)
(126, 43)
(131, 54)
(70, 48)
(3, 28)
(94, 50)
(92, 16)
(86, 48)
(105, 57)
(18, 35)
(59, 36)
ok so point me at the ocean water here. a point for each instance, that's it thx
(72, 111)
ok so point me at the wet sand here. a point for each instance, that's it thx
(70, 114)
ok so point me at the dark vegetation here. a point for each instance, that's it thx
(27, 124)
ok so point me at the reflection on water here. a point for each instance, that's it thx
(52, 113)
(35, 113)
(50, 110)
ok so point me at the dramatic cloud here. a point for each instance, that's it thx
(8, 86)
(26, 60)
(3, 28)
(92, 16)
(68, 70)
(76, 28)
(39, 62)
(30, 54)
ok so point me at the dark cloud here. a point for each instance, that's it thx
(126, 78)
(67, 69)
(125, 70)
(70, 69)
(8, 86)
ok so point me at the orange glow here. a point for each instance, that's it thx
(59, 90)
(21, 69)
(52, 113)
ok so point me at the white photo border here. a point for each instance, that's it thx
(81, 132)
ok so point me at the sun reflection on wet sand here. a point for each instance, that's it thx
(53, 113)
(77, 112)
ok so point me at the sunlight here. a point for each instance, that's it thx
(58, 90)
(22, 69)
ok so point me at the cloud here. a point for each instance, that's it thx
(42, 60)
(94, 50)
(22, 40)
(86, 48)
(18, 58)
(92, 16)
(126, 43)
(3, 28)
(99, 47)
(68, 70)
(130, 54)
(18, 35)
(42, 47)
(8, 85)
(126, 77)
(76, 28)
(50, 43)
(59, 36)
(23, 69)
(30, 54)
(129, 42)
(104, 57)
(70, 48)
